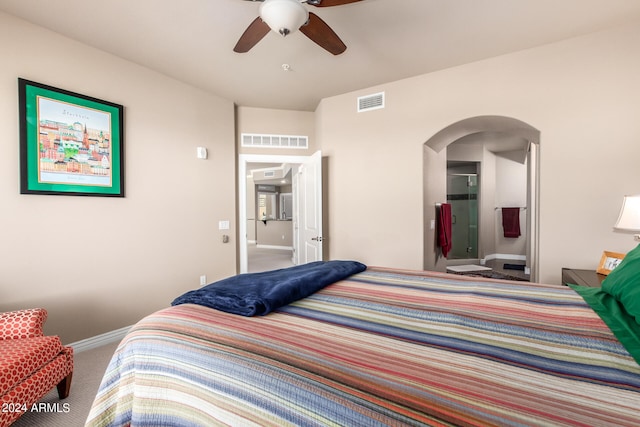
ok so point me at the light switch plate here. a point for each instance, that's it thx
(223, 225)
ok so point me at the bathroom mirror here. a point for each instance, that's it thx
(266, 206)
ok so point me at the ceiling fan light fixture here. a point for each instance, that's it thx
(284, 16)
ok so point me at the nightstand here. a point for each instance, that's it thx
(582, 277)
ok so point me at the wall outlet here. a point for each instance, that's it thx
(203, 280)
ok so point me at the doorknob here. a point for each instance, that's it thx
(318, 239)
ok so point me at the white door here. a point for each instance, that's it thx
(309, 225)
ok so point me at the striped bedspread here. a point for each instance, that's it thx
(383, 347)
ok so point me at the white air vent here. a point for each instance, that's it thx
(269, 174)
(274, 141)
(371, 102)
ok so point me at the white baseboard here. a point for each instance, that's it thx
(99, 340)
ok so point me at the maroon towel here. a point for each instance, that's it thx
(444, 228)
(511, 222)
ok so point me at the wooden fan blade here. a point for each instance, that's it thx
(329, 3)
(252, 35)
(318, 31)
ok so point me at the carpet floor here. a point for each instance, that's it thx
(89, 367)
(263, 259)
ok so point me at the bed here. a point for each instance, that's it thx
(379, 347)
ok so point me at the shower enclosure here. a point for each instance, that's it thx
(462, 194)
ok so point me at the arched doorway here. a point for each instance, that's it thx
(504, 135)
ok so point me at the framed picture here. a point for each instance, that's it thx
(70, 144)
(609, 261)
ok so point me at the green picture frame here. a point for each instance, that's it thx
(70, 144)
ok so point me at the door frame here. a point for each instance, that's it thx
(243, 159)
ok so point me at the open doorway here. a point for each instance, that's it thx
(275, 213)
(495, 142)
(269, 216)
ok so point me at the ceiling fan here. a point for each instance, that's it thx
(285, 17)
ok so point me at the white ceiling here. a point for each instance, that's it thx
(387, 40)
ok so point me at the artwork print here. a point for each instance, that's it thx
(70, 143)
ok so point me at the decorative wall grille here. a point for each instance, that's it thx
(274, 141)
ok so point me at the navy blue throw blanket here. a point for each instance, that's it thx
(257, 294)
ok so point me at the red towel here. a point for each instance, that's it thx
(511, 222)
(444, 228)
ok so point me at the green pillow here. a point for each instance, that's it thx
(623, 283)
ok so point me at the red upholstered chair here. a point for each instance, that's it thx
(31, 364)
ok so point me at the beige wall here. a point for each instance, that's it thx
(276, 122)
(582, 94)
(511, 191)
(274, 233)
(98, 264)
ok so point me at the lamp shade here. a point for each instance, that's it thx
(284, 16)
(629, 219)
